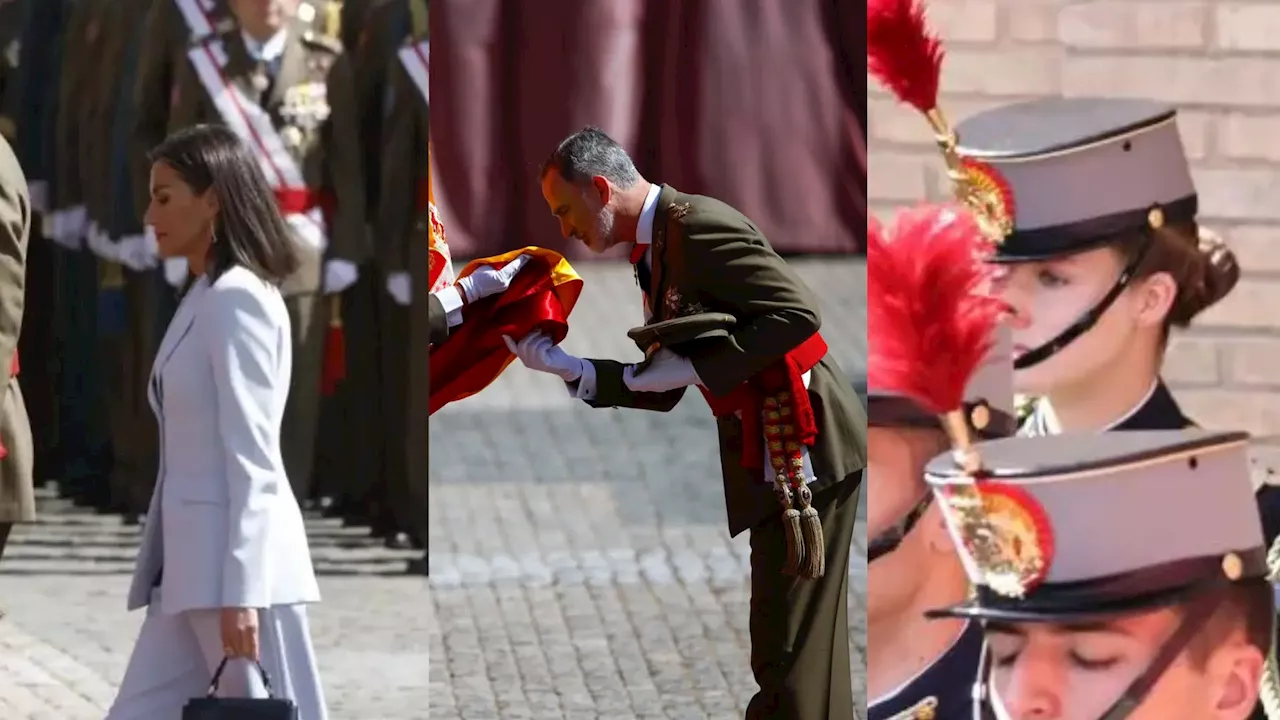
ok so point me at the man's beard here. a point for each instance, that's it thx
(603, 232)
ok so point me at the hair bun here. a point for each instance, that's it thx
(1221, 272)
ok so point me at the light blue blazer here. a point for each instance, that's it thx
(223, 522)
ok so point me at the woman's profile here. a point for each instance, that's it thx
(224, 570)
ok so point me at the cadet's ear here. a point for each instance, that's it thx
(1156, 295)
(1234, 669)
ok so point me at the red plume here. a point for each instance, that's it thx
(902, 53)
(929, 326)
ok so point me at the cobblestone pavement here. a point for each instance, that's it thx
(66, 637)
(580, 565)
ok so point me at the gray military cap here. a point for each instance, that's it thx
(1065, 175)
(989, 402)
(1063, 527)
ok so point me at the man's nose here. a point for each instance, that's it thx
(566, 230)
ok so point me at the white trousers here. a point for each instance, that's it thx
(175, 657)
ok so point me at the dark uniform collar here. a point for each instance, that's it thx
(945, 688)
(1158, 412)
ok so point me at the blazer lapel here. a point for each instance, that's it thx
(178, 328)
(657, 271)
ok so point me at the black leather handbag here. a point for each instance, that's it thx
(216, 708)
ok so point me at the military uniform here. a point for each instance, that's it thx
(84, 435)
(358, 466)
(940, 691)
(296, 114)
(402, 248)
(799, 628)
(146, 99)
(17, 494)
(1063, 534)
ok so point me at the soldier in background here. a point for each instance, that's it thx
(169, 28)
(404, 225)
(293, 105)
(353, 467)
(377, 494)
(83, 433)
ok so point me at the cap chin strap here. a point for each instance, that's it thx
(889, 540)
(1194, 616)
(1089, 318)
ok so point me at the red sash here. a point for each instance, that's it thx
(748, 399)
(294, 201)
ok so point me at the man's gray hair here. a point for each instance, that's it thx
(590, 152)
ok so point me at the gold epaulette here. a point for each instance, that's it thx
(8, 128)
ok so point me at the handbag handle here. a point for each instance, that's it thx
(217, 676)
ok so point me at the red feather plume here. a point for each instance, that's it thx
(902, 53)
(929, 325)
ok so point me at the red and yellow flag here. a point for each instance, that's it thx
(540, 297)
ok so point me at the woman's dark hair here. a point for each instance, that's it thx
(250, 230)
(1203, 267)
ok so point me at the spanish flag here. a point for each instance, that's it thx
(540, 297)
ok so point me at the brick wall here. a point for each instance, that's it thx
(1219, 62)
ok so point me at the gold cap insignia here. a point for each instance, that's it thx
(1009, 536)
(988, 195)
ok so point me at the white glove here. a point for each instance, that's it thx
(141, 252)
(667, 371)
(488, 281)
(537, 352)
(175, 271)
(400, 287)
(339, 275)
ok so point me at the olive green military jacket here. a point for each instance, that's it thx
(403, 219)
(313, 73)
(17, 493)
(708, 257)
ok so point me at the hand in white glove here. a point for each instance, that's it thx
(667, 371)
(98, 243)
(537, 352)
(339, 275)
(488, 281)
(176, 271)
(140, 252)
(400, 287)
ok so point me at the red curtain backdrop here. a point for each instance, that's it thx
(758, 103)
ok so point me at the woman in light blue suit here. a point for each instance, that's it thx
(224, 569)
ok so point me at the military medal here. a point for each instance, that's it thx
(259, 81)
(292, 136)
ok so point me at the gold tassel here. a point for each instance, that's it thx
(815, 546)
(791, 525)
